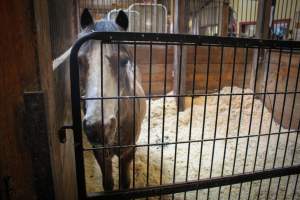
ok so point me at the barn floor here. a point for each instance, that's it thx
(93, 174)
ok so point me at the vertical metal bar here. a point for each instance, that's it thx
(273, 15)
(166, 24)
(219, 16)
(145, 16)
(134, 115)
(174, 1)
(134, 22)
(286, 187)
(251, 116)
(294, 21)
(286, 12)
(77, 129)
(242, 12)
(177, 117)
(98, 8)
(151, 16)
(281, 117)
(250, 35)
(261, 119)
(273, 106)
(204, 114)
(238, 16)
(119, 108)
(255, 12)
(156, 18)
(295, 188)
(292, 113)
(229, 112)
(281, 12)
(140, 29)
(216, 119)
(293, 158)
(102, 113)
(164, 112)
(194, 18)
(291, 119)
(191, 116)
(233, 8)
(240, 115)
(149, 114)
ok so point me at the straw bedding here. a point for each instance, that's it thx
(206, 126)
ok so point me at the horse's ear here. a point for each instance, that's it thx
(86, 18)
(122, 20)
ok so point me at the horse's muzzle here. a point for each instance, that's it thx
(95, 131)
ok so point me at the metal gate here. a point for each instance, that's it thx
(240, 151)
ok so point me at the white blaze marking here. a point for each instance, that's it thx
(93, 107)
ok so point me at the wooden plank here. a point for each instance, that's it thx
(18, 72)
(46, 84)
(158, 55)
(57, 27)
(38, 143)
(280, 106)
(63, 29)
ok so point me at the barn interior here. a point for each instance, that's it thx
(223, 105)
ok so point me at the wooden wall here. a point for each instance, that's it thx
(63, 23)
(18, 72)
(33, 163)
(286, 82)
(158, 66)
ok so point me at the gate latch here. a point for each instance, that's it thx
(62, 133)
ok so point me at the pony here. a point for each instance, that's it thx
(111, 122)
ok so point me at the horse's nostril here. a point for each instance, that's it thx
(84, 124)
(88, 129)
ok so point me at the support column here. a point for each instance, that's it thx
(180, 54)
(263, 31)
(224, 18)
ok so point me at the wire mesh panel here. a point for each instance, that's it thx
(231, 141)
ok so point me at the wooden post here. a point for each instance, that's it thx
(224, 18)
(263, 26)
(180, 54)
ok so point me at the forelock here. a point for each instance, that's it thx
(106, 26)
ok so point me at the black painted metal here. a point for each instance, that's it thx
(108, 37)
(196, 185)
(182, 40)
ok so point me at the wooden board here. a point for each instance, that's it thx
(63, 23)
(18, 73)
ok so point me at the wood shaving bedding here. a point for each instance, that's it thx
(237, 126)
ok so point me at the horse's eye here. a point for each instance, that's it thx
(123, 62)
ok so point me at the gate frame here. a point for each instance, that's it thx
(173, 39)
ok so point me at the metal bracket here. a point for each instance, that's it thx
(62, 133)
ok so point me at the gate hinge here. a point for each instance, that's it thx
(62, 133)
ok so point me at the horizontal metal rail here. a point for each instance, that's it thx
(186, 39)
(189, 141)
(189, 95)
(196, 185)
(182, 40)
